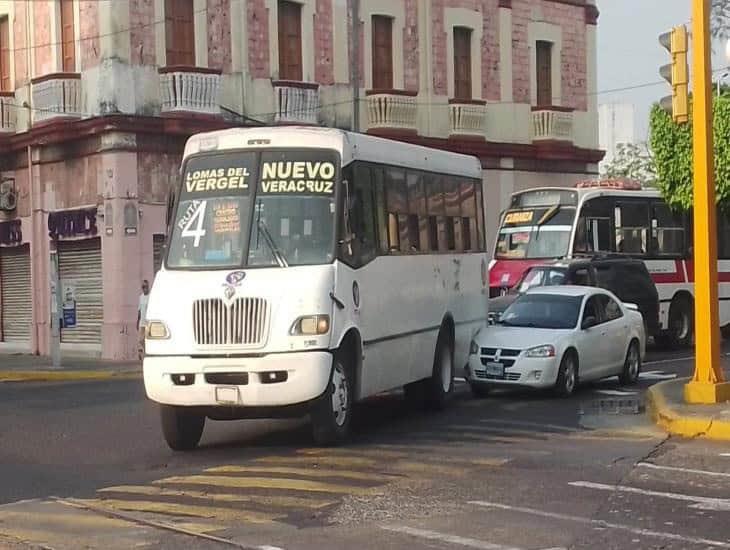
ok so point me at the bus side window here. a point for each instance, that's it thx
(632, 221)
(667, 231)
(363, 215)
(593, 230)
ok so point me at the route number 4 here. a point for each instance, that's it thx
(197, 218)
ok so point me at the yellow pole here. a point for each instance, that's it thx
(708, 384)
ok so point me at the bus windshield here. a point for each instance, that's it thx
(250, 209)
(537, 233)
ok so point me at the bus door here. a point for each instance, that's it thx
(595, 228)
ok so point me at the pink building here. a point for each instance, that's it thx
(98, 98)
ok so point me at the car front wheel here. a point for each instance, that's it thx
(567, 381)
(632, 365)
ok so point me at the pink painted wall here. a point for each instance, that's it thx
(20, 39)
(219, 35)
(573, 59)
(323, 44)
(142, 33)
(258, 39)
(89, 33)
(42, 35)
(411, 62)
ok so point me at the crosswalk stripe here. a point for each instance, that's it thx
(329, 460)
(447, 437)
(308, 472)
(370, 452)
(505, 430)
(311, 502)
(177, 509)
(268, 483)
(554, 427)
(424, 467)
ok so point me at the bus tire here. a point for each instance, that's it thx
(441, 383)
(181, 427)
(680, 333)
(331, 413)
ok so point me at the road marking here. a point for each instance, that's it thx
(604, 524)
(616, 392)
(268, 500)
(459, 379)
(424, 467)
(443, 537)
(672, 360)
(308, 472)
(704, 503)
(657, 375)
(176, 509)
(685, 470)
(555, 427)
(329, 460)
(267, 483)
(370, 451)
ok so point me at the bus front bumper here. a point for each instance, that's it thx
(273, 380)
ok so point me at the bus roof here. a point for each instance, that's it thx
(592, 192)
(351, 146)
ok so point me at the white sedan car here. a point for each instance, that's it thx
(554, 337)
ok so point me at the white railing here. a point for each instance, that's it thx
(56, 95)
(7, 112)
(467, 118)
(552, 124)
(296, 102)
(190, 89)
(391, 110)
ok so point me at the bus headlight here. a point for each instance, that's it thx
(157, 330)
(311, 325)
(473, 348)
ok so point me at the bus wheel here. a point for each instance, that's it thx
(181, 427)
(441, 383)
(681, 323)
(331, 413)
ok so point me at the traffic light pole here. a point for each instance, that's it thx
(708, 384)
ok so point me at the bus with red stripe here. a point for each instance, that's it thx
(610, 216)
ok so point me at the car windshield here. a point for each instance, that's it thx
(290, 194)
(543, 311)
(541, 276)
(535, 234)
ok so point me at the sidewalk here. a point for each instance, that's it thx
(665, 403)
(31, 368)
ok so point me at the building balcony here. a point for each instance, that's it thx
(296, 102)
(552, 124)
(467, 118)
(7, 112)
(391, 110)
(190, 90)
(56, 96)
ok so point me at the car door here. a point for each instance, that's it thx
(592, 347)
(615, 334)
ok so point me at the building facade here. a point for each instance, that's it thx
(615, 127)
(98, 98)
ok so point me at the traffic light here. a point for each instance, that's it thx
(676, 73)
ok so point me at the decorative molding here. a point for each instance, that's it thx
(505, 4)
(592, 14)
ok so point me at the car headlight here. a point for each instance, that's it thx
(157, 330)
(311, 325)
(541, 351)
(473, 348)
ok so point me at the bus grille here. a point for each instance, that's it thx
(243, 322)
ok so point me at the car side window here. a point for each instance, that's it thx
(593, 308)
(603, 276)
(612, 309)
(581, 277)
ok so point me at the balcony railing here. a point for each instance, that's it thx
(296, 102)
(391, 110)
(190, 90)
(7, 112)
(552, 124)
(467, 117)
(56, 95)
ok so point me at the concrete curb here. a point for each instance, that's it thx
(66, 376)
(684, 425)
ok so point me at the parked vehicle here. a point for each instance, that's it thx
(628, 278)
(556, 337)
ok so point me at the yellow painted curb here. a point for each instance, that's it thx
(683, 425)
(62, 376)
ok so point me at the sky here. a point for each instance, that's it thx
(629, 53)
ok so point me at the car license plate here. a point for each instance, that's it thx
(226, 395)
(495, 369)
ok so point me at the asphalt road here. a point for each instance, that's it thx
(84, 464)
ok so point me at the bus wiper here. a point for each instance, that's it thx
(546, 217)
(278, 254)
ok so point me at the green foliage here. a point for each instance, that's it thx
(671, 146)
(633, 161)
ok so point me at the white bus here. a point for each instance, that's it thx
(310, 268)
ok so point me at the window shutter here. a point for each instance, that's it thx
(544, 74)
(290, 41)
(68, 49)
(5, 85)
(462, 63)
(382, 37)
(180, 32)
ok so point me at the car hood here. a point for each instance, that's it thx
(519, 337)
(499, 304)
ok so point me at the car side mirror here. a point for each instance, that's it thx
(588, 322)
(632, 307)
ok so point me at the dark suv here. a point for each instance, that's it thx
(626, 277)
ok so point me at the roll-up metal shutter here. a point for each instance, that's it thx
(158, 244)
(17, 301)
(79, 267)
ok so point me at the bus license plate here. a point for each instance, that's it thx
(226, 395)
(495, 369)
